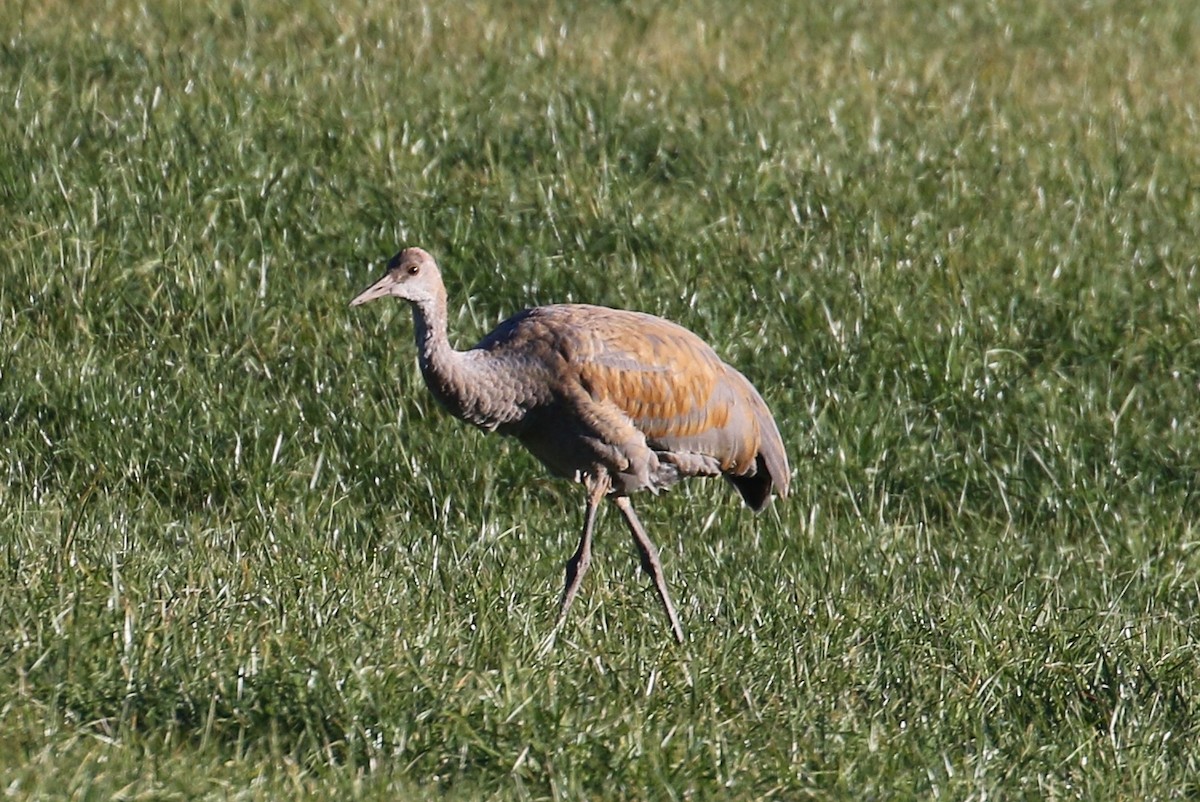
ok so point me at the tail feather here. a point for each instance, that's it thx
(771, 471)
(755, 489)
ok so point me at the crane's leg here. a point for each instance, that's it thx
(650, 562)
(577, 566)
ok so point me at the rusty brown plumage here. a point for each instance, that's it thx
(619, 401)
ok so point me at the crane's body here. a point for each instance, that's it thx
(618, 401)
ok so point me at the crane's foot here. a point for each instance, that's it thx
(577, 566)
(547, 644)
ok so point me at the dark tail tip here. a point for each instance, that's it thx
(756, 489)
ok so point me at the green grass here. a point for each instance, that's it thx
(244, 556)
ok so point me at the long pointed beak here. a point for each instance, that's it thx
(377, 290)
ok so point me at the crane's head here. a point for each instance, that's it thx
(411, 274)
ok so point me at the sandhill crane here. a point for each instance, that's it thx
(618, 401)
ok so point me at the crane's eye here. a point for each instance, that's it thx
(414, 270)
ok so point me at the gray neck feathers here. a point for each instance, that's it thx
(460, 381)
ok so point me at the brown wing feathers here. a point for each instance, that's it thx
(680, 395)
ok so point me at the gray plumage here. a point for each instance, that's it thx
(618, 401)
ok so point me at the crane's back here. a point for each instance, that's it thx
(627, 377)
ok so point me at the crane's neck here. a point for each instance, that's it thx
(450, 375)
(433, 345)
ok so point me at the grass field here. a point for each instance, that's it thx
(245, 556)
